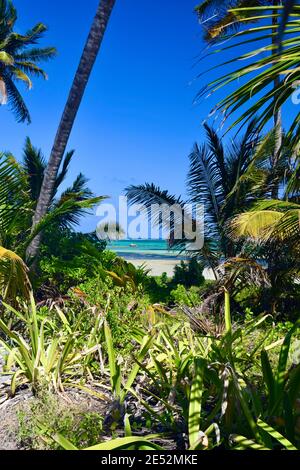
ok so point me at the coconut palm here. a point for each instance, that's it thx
(223, 180)
(82, 76)
(19, 59)
(34, 165)
(266, 101)
(14, 204)
(19, 191)
(229, 181)
(231, 15)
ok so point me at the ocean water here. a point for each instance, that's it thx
(144, 249)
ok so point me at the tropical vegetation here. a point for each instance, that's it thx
(98, 354)
(19, 59)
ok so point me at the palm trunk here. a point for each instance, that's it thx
(277, 119)
(82, 76)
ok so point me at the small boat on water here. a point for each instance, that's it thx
(133, 245)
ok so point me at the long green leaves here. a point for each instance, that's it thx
(265, 64)
(119, 388)
(125, 443)
(189, 384)
(276, 435)
(14, 279)
(282, 384)
(19, 60)
(114, 367)
(52, 358)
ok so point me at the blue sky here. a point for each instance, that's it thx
(137, 122)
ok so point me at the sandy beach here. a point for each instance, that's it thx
(158, 267)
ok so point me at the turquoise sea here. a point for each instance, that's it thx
(144, 249)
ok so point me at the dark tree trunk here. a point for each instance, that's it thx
(82, 75)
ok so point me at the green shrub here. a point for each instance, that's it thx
(189, 274)
(125, 309)
(183, 296)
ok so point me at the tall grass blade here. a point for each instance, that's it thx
(195, 404)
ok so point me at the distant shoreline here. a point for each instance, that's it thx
(155, 255)
(150, 257)
(156, 266)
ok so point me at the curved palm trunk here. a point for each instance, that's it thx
(82, 75)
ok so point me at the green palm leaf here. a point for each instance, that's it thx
(18, 59)
(13, 276)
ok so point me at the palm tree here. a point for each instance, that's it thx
(265, 101)
(219, 18)
(223, 180)
(82, 76)
(18, 59)
(20, 184)
(272, 229)
(19, 191)
(14, 279)
(273, 220)
(13, 208)
(34, 165)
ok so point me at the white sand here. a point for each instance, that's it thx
(158, 267)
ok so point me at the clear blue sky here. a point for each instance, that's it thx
(137, 122)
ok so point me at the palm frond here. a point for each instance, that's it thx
(16, 101)
(148, 194)
(36, 54)
(57, 214)
(18, 74)
(13, 276)
(71, 206)
(64, 170)
(78, 187)
(270, 220)
(258, 89)
(34, 165)
(255, 224)
(8, 15)
(243, 270)
(152, 201)
(17, 42)
(31, 68)
(14, 199)
(18, 62)
(205, 183)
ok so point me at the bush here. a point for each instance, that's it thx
(183, 296)
(189, 274)
(126, 309)
(69, 258)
